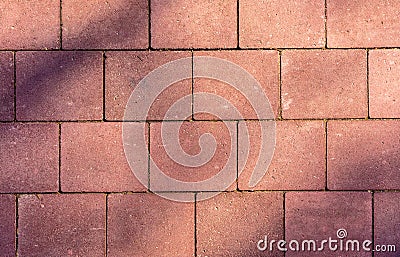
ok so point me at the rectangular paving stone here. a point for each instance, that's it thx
(232, 224)
(322, 215)
(30, 24)
(324, 84)
(7, 225)
(262, 65)
(28, 157)
(59, 86)
(6, 86)
(124, 71)
(363, 155)
(145, 224)
(194, 24)
(386, 223)
(370, 23)
(282, 24)
(62, 225)
(99, 24)
(298, 161)
(384, 83)
(93, 159)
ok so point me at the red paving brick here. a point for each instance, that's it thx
(146, 225)
(194, 24)
(93, 159)
(294, 166)
(363, 23)
(7, 225)
(62, 225)
(59, 86)
(318, 216)
(262, 65)
(231, 224)
(99, 24)
(384, 85)
(386, 221)
(6, 86)
(324, 84)
(29, 157)
(363, 155)
(30, 24)
(278, 24)
(124, 70)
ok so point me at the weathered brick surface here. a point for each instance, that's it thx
(324, 84)
(7, 225)
(278, 24)
(370, 23)
(93, 159)
(62, 225)
(363, 155)
(30, 24)
(231, 224)
(6, 86)
(298, 162)
(99, 24)
(59, 86)
(194, 24)
(319, 215)
(28, 157)
(384, 83)
(144, 224)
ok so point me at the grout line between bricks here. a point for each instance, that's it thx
(192, 118)
(61, 26)
(326, 23)
(16, 223)
(373, 221)
(195, 224)
(148, 156)
(280, 86)
(284, 219)
(59, 157)
(104, 84)
(237, 156)
(106, 226)
(326, 154)
(149, 24)
(368, 108)
(238, 23)
(15, 84)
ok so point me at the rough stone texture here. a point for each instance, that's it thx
(279, 24)
(28, 157)
(93, 159)
(146, 225)
(298, 162)
(369, 23)
(59, 86)
(363, 155)
(7, 225)
(384, 83)
(324, 84)
(319, 215)
(31, 24)
(100, 24)
(6, 86)
(231, 224)
(62, 225)
(194, 24)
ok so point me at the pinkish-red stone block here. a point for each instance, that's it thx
(99, 24)
(7, 225)
(231, 224)
(319, 215)
(145, 224)
(324, 84)
(282, 24)
(6, 86)
(387, 223)
(262, 65)
(363, 154)
(384, 83)
(29, 157)
(93, 159)
(363, 23)
(59, 86)
(62, 225)
(124, 70)
(298, 162)
(30, 24)
(194, 24)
